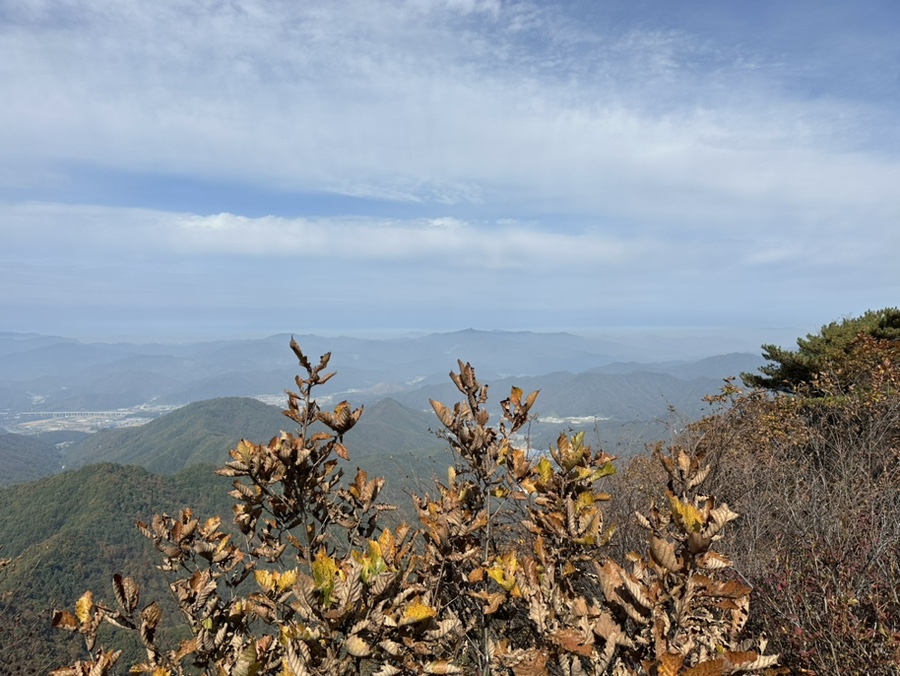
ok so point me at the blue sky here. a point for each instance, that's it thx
(216, 168)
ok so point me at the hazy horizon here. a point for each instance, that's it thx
(654, 343)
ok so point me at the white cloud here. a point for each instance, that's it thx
(413, 101)
(88, 231)
(627, 159)
(57, 231)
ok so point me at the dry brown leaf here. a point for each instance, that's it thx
(442, 667)
(63, 619)
(341, 451)
(573, 641)
(663, 552)
(533, 664)
(714, 667)
(357, 647)
(669, 664)
(636, 589)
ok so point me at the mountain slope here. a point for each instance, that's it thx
(716, 367)
(71, 532)
(204, 432)
(24, 458)
(622, 396)
(388, 427)
(201, 432)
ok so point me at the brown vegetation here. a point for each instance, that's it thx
(507, 573)
(513, 567)
(814, 476)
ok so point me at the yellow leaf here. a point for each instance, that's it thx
(585, 499)
(223, 543)
(373, 563)
(265, 579)
(582, 473)
(287, 579)
(497, 575)
(572, 452)
(388, 545)
(503, 572)
(669, 664)
(417, 612)
(545, 473)
(244, 451)
(84, 606)
(606, 469)
(686, 515)
(324, 570)
(374, 551)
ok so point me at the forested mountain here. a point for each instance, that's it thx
(26, 458)
(624, 406)
(620, 408)
(620, 411)
(71, 531)
(632, 396)
(62, 534)
(201, 432)
(75, 529)
(204, 432)
(388, 427)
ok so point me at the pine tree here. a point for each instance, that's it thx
(829, 351)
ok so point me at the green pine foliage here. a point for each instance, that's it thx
(822, 352)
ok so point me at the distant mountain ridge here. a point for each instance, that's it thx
(42, 373)
(716, 367)
(622, 402)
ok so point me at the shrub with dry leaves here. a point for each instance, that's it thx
(508, 571)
